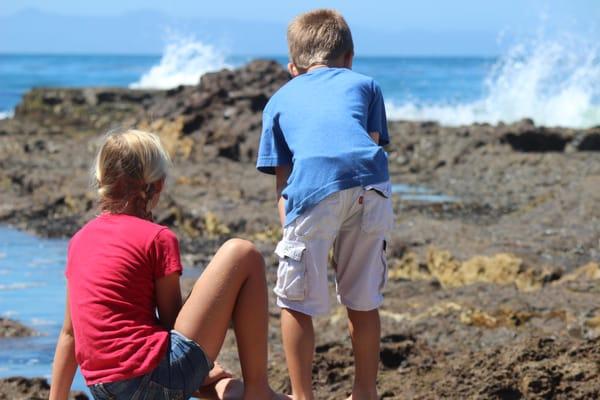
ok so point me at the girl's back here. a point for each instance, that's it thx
(113, 263)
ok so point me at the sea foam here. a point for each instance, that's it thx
(554, 82)
(6, 114)
(183, 62)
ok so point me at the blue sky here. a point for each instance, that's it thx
(389, 27)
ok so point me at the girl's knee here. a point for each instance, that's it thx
(245, 252)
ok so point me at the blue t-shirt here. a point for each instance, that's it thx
(319, 123)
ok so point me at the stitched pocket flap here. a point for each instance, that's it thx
(290, 249)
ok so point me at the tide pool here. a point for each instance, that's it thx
(32, 291)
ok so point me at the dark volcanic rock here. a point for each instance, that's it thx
(20, 388)
(10, 328)
(492, 291)
(83, 111)
(590, 142)
(223, 113)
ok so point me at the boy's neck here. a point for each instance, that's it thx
(344, 61)
(318, 66)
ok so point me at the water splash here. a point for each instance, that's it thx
(6, 114)
(183, 62)
(555, 82)
(19, 286)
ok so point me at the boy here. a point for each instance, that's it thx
(322, 133)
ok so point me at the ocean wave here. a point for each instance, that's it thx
(42, 322)
(18, 286)
(9, 314)
(183, 62)
(554, 82)
(6, 114)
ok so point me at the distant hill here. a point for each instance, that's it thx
(146, 32)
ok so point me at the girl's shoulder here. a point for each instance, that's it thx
(123, 227)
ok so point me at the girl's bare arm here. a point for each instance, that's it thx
(168, 299)
(65, 365)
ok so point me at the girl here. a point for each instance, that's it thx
(124, 322)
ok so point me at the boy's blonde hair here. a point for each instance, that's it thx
(318, 37)
(127, 165)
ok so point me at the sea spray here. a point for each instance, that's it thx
(555, 82)
(6, 114)
(183, 62)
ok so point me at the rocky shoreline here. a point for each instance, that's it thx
(493, 286)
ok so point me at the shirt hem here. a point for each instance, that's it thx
(120, 376)
(315, 197)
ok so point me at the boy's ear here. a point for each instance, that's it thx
(348, 57)
(293, 70)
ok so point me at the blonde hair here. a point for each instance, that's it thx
(318, 37)
(127, 165)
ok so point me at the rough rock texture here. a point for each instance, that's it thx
(492, 292)
(19, 388)
(10, 328)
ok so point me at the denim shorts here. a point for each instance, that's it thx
(180, 373)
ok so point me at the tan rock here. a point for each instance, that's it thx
(590, 271)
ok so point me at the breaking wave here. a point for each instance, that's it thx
(183, 62)
(554, 82)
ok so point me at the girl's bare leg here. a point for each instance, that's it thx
(232, 286)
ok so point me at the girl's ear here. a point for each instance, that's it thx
(293, 70)
(159, 185)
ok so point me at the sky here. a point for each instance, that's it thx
(384, 26)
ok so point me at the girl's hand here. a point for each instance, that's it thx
(220, 384)
(216, 374)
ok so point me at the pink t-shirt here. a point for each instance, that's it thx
(112, 265)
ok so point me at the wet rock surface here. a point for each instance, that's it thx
(492, 292)
(19, 388)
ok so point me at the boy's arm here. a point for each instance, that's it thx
(64, 365)
(282, 173)
(375, 136)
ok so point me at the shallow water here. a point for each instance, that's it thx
(32, 291)
(420, 194)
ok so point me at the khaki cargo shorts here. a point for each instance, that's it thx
(355, 223)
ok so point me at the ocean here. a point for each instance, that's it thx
(556, 83)
(32, 291)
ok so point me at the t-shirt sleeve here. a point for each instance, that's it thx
(166, 254)
(377, 121)
(68, 264)
(272, 150)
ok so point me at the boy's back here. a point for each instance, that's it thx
(319, 122)
(322, 137)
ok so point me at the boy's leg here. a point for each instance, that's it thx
(365, 331)
(298, 343)
(359, 253)
(232, 286)
(302, 286)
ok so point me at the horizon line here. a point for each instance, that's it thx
(253, 56)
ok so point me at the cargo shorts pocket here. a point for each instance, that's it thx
(378, 213)
(384, 262)
(291, 273)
